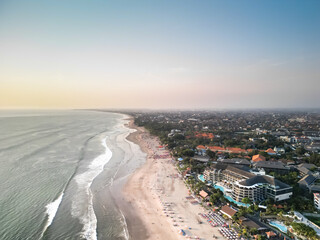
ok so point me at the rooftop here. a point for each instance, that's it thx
(304, 170)
(203, 194)
(239, 161)
(264, 179)
(269, 150)
(228, 210)
(258, 157)
(307, 180)
(307, 165)
(270, 164)
(252, 224)
(240, 170)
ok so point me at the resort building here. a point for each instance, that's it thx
(236, 161)
(244, 184)
(260, 188)
(310, 183)
(271, 166)
(316, 199)
(226, 173)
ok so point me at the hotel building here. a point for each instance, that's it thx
(245, 184)
(316, 199)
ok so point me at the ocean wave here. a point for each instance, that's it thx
(51, 211)
(125, 232)
(84, 180)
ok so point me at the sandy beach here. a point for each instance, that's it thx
(156, 204)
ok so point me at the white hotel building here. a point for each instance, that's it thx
(316, 199)
(244, 184)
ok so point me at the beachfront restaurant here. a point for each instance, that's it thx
(228, 211)
(250, 224)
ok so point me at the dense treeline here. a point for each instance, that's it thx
(304, 230)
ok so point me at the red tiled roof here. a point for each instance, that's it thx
(216, 148)
(204, 135)
(228, 210)
(258, 158)
(201, 147)
(236, 150)
(269, 150)
(203, 194)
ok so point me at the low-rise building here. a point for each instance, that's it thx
(203, 194)
(258, 157)
(228, 211)
(305, 168)
(313, 147)
(279, 151)
(249, 223)
(301, 140)
(307, 181)
(201, 150)
(316, 200)
(270, 152)
(310, 183)
(201, 158)
(271, 166)
(236, 161)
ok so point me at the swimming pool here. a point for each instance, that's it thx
(218, 187)
(201, 178)
(230, 198)
(279, 225)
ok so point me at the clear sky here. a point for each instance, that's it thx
(159, 54)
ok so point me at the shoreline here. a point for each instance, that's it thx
(154, 197)
(141, 213)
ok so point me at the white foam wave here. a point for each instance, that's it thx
(51, 211)
(87, 216)
(125, 229)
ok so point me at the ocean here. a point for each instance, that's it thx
(58, 174)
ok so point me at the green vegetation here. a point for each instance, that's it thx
(290, 178)
(304, 230)
(246, 200)
(300, 201)
(217, 197)
(315, 159)
(260, 237)
(211, 154)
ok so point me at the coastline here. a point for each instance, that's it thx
(142, 211)
(150, 188)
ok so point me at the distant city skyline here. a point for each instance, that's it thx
(159, 54)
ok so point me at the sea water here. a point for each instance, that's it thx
(57, 169)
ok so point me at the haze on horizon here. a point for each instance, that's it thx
(159, 54)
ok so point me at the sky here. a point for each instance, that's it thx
(177, 54)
